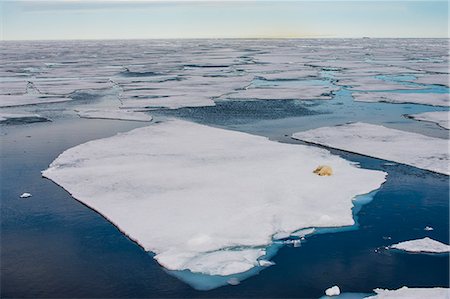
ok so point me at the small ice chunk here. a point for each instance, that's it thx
(25, 195)
(428, 228)
(233, 281)
(333, 291)
(422, 245)
(265, 263)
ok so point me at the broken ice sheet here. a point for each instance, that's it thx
(188, 191)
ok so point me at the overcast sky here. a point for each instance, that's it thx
(106, 19)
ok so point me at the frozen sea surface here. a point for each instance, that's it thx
(52, 246)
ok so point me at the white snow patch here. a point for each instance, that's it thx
(384, 143)
(333, 291)
(115, 114)
(441, 118)
(422, 245)
(411, 293)
(190, 193)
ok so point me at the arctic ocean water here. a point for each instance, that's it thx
(54, 246)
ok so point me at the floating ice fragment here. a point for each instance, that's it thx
(25, 195)
(422, 245)
(233, 281)
(333, 291)
(428, 228)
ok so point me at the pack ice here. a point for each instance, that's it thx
(385, 143)
(206, 199)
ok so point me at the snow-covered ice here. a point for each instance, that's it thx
(441, 118)
(25, 195)
(385, 143)
(333, 291)
(27, 99)
(119, 114)
(432, 99)
(428, 228)
(189, 192)
(422, 245)
(411, 293)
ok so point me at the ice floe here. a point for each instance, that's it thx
(411, 293)
(119, 114)
(385, 143)
(441, 118)
(25, 195)
(422, 245)
(432, 99)
(205, 199)
(333, 291)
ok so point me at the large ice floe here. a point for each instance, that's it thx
(411, 293)
(209, 200)
(441, 118)
(385, 143)
(422, 245)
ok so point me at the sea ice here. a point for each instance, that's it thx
(118, 114)
(441, 118)
(432, 99)
(25, 195)
(411, 293)
(422, 245)
(27, 99)
(385, 143)
(206, 199)
(333, 291)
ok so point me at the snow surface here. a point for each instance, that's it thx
(115, 114)
(441, 118)
(385, 143)
(205, 199)
(432, 99)
(25, 195)
(412, 293)
(333, 291)
(422, 245)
